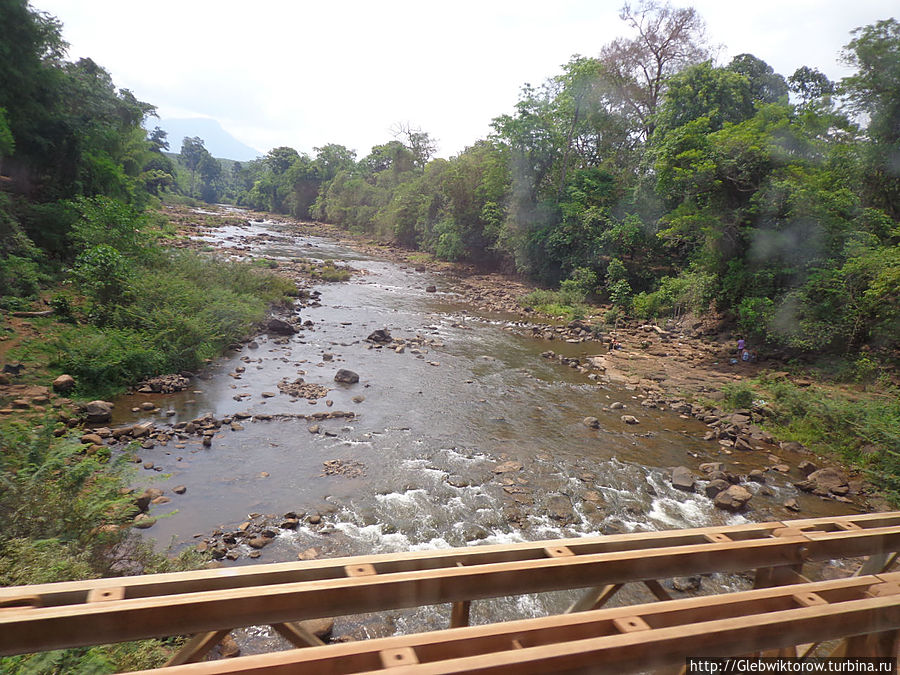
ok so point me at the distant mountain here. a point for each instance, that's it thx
(217, 141)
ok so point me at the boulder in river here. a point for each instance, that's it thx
(97, 412)
(380, 336)
(715, 486)
(346, 376)
(683, 479)
(825, 481)
(734, 498)
(591, 422)
(630, 419)
(280, 327)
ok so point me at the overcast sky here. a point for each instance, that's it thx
(298, 73)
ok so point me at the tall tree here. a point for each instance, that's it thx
(665, 41)
(192, 155)
(874, 91)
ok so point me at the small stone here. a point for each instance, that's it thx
(179, 489)
(630, 419)
(616, 405)
(308, 554)
(147, 405)
(792, 505)
(591, 422)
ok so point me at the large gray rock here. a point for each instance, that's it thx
(380, 336)
(735, 498)
(97, 412)
(825, 481)
(280, 326)
(346, 376)
(715, 486)
(683, 479)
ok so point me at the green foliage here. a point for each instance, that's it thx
(20, 277)
(566, 303)
(864, 430)
(738, 395)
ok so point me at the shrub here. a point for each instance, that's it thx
(738, 395)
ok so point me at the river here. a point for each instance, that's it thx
(476, 439)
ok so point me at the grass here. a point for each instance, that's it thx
(556, 303)
(65, 516)
(174, 314)
(860, 428)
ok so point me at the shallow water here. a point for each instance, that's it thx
(427, 438)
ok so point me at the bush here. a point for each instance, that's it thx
(738, 395)
(20, 277)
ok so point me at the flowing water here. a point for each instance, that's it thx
(421, 455)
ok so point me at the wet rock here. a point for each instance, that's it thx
(346, 376)
(711, 467)
(630, 419)
(591, 422)
(735, 498)
(560, 508)
(142, 521)
(179, 489)
(64, 384)
(259, 542)
(321, 628)
(508, 466)
(683, 479)
(97, 412)
(806, 467)
(280, 327)
(825, 481)
(616, 405)
(431, 289)
(91, 439)
(314, 519)
(380, 336)
(757, 476)
(791, 446)
(308, 554)
(229, 648)
(792, 505)
(166, 384)
(687, 584)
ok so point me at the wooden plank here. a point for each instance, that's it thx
(297, 635)
(135, 618)
(594, 598)
(459, 614)
(197, 647)
(729, 625)
(657, 589)
(261, 575)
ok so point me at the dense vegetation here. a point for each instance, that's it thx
(78, 172)
(696, 187)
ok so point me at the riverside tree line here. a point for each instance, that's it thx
(654, 178)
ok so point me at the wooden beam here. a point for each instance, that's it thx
(35, 629)
(594, 598)
(317, 570)
(655, 635)
(197, 647)
(297, 635)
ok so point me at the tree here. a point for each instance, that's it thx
(280, 159)
(766, 86)
(810, 84)
(418, 142)
(874, 91)
(192, 154)
(666, 41)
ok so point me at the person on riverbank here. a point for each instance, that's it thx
(741, 345)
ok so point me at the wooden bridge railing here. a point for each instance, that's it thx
(209, 603)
